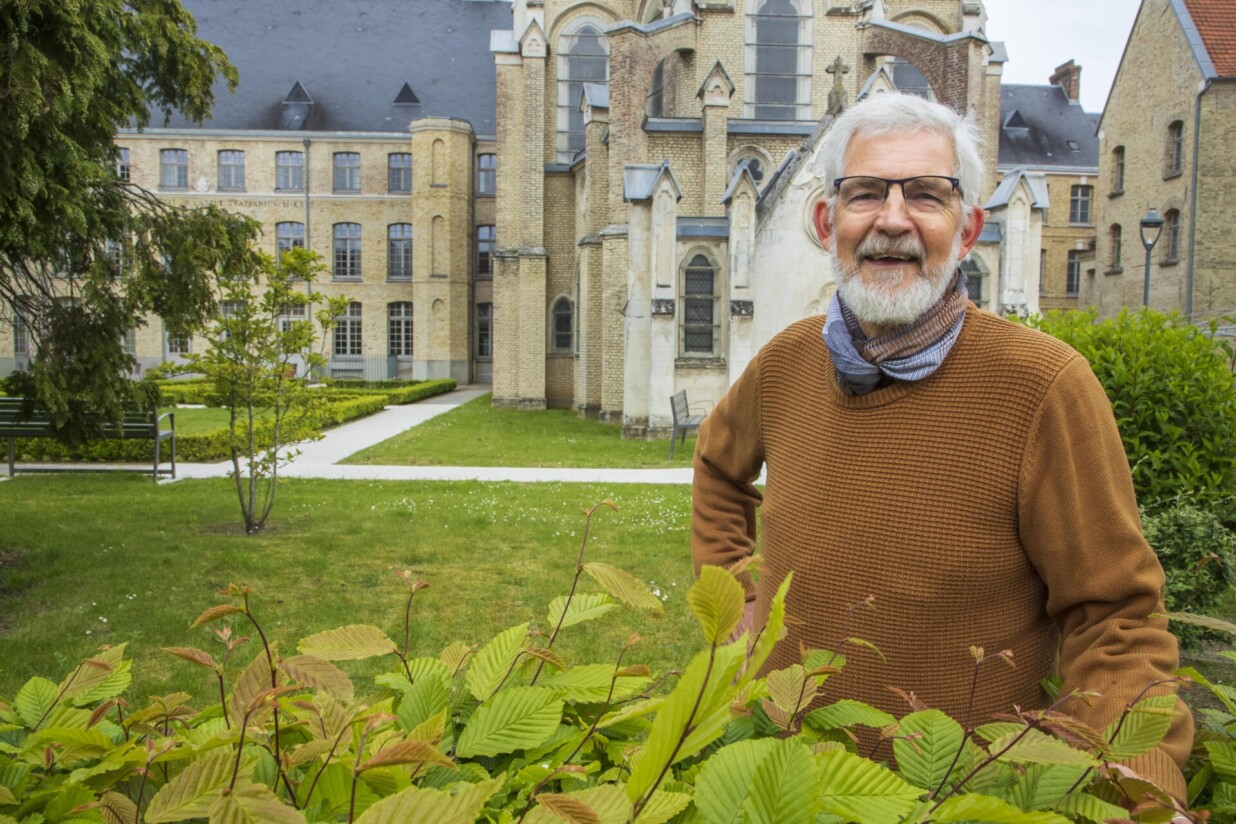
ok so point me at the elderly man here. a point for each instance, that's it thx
(964, 470)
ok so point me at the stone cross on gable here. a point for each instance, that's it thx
(837, 97)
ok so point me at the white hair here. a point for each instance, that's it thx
(898, 114)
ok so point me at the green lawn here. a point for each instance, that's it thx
(477, 434)
(193, 421)
(101, 559)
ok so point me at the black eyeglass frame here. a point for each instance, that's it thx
(901, 181)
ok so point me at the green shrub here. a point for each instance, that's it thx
(1174, 395)
(1197, 552)
(337, 411)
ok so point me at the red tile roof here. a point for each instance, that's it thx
(1216, 22)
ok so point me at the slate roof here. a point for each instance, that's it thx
(1037, 125)
(352, 59)
(1216, 24)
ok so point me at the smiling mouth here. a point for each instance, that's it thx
(893, 258)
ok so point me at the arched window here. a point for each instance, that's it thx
(1118, 170)
(348, 332)
(399, 329)
(563, 325)
(1171, 236)
(1115, 237)
(288, 235)
(699, 307)
(347, 251)
(583, 57)
(399, 251)
(778, 60)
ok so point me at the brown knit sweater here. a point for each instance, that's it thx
(989, 504)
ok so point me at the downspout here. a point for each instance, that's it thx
(305, 185)
(1197, 138)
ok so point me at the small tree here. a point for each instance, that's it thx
(261, 337)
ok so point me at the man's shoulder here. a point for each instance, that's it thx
(1015, 343)
(808, 331)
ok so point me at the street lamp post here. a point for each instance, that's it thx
(1152, 226)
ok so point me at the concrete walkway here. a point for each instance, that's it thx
(320, 459)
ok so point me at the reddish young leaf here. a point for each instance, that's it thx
(215, 613)
(193, 656)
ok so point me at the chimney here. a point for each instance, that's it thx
(1068, 77)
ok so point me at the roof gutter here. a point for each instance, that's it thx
(1197, 139)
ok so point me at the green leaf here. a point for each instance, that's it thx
(191, 793)
(1090, 807)
(462, 805)
(926, 748)
(424, 699)
(1037, 747)
(1143, 727)
(492, 664)
(584, 606)
(34, 701)
(514, 719)
(320, 674)
(350, 643)
(662, 807)
(253, 804)
(1044, 785)
(717, 600)
(725, 779)
(860, 790)
(847, 713)
(99, 678)
(624, 587)
(774, 627)
(784, 786)
(406, 752)
(998, 729)
(251, 683)
(608, 801)
(1223, 759)
(71, 745)
(590, 683)
(974, 807)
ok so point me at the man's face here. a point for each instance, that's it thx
(894, 262)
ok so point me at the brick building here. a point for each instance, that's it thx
(365, 130)
(1165, 142)
(658, 170)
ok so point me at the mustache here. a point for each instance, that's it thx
(877, 245)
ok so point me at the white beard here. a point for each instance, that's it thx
(902, 297)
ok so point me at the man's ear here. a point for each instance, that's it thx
(971, 231)
(823, 226)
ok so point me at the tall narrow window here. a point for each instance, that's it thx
(21, 329)
(583, 57)
(348, 332)
(178, 344)
(563, 326)
(231, 171)
(1171, 236)
(347, 251)
(1114, 236)
(486, 238)
(699, 307)
(173, 169)
(1072, 275)
(288, 235)
(1118, 170)
(1042, 271)
(484, 331)
(122, 164)
(347, 172)
(1079, 204)
(1175, 149)
(399, 172)
(778, 60)
(399, 329)
(128, 342)
(486, 174)
(289, 171)
(399, 251)
(654, 104)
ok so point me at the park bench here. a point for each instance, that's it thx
(684, 420)
(18, 422)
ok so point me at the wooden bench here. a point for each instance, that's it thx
(18, 422)
(684, 421)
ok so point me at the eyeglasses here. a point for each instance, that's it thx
(924, 194)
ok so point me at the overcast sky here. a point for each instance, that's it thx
(1042, 34)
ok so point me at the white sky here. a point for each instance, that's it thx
(1042, 34)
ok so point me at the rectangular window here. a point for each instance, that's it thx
(484, 331)
(486, 239)
(399, 172)
(399, 329)
(1079, 204)
(128, 342)
(399, 251)
(178, 344)
(1171, 236)
(487, 174)
(231, 171)
(21, 332)
(1118, 170)
(1175, 149)
(1072, 277)
(1115, 239)
(348, 332)
(1042, 271)
(289, 171)
(347, 172)
(291, 315)
(173, 169)
(347, 251)
(122, 164)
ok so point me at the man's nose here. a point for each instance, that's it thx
(894, 215)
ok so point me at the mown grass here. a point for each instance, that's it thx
(103, 559)
(478, 434)
(193, 421)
